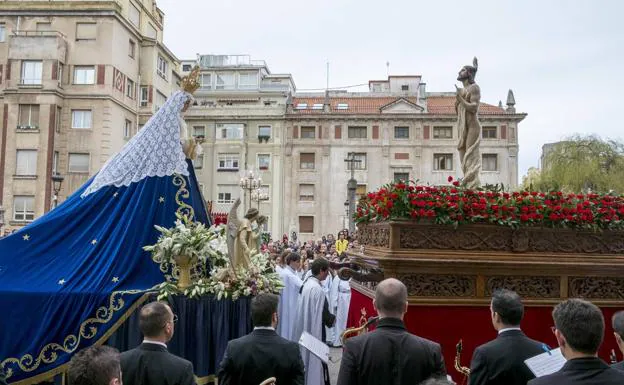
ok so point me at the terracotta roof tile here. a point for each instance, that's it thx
(373, 105)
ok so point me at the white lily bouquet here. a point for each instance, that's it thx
(209, 246)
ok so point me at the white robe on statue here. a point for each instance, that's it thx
(339, 306)
(287, 306)
(310, 319)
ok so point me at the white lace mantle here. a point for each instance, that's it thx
(153, 151)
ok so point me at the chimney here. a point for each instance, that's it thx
(326, 102)
(511, 102)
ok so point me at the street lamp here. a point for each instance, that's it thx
(249, 182)
(346, 216)
(57, 182)
(259, 196)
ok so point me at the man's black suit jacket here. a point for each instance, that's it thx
(390, 355)
(501, 361)
(259, 355)
(586, 371)
(152, 364)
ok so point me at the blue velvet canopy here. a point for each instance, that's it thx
(70, 278)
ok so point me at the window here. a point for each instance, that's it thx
(31, 72)
(129, 88)
(26, 163)
(2, 33)
(445, 132)
(306, 224)
(401, 176)
(264, 131)
(84, 75)
(42, 27)
(135, 16)
(264, 161)
(55, 160)
(227, 162)
(360, 161)
(57, 123)
(442, 161)
(308, 132)
(23, 208)
(78, 163)
(198, 163)
(342, 106)
(151, 32)
(205, 81)
(306, 192)
(306, 160)
(86, 31)
(360, 191)
(405, 87)
(131, 48)
(247, 80)
(488, 132)
(199, 131)
(230, 131)
(81, 119)
(161, 68)
(302, 106)
(317, 106)
(187, 67)
(225, 81)
(357, 132)
(127, 129)
(401, 132)
(160, 100)
(226, 193)
(489, 162)
(28, 117)
(144, 96)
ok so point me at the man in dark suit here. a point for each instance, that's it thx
(97, 365)
(579, 329)
(390, 354)
(617, 322)
(150, 363)
(262, 353)
(501, 361)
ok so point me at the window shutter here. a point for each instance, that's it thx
(295, 132)
(375, 132)
(55, 70)
(8, 70)
(426, 132)
(150, 94)
(320, 131)
(503, 132)
(101, 74)
(338, 132)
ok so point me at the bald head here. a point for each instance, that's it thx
(391, 298)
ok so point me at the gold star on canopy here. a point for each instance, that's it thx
(62, 281)
(115, 195)
(94, 242)
(115, 279)
(161, 199)
(26, 237)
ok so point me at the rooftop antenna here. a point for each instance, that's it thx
(388, 68)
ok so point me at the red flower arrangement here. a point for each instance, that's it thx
(456, 205)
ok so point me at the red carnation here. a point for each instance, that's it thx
(450, 179)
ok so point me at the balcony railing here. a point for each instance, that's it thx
(39, 33)
(22, 127)
(208, 61)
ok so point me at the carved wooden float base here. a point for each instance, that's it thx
(447, 266)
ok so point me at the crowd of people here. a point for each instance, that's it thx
(387, 355)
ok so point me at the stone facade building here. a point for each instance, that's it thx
(77, 80)
(397, 130)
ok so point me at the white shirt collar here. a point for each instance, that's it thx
(264, 328)
(291, 269)
(148, 341)
(508, 329)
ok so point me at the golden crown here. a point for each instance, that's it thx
(190, 83)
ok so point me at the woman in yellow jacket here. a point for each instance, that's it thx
(341, 244)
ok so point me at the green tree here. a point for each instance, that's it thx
(580, 164)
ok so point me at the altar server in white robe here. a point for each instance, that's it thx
(327, 289)
(339, 304)
(288, 297)
(312, 316)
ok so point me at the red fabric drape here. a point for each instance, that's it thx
(448, 324)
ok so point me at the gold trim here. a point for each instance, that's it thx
(206, 380)
(88, 329)
(184, 209)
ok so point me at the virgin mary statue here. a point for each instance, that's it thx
(71, 277)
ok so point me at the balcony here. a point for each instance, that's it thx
(212, 61)
(37, 45)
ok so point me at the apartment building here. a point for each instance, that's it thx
(397, 130)
(239, 116)
(77, 80)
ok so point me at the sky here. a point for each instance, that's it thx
(563, 59)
